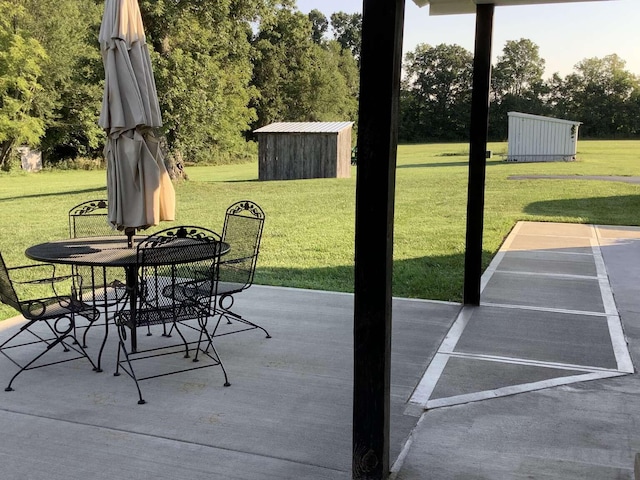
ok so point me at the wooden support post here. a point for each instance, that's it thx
(381, 62)
(477, 153)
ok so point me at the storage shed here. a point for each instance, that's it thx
(294, 150)
(534, 138)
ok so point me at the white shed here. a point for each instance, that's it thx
(31, 160)
(534, 138)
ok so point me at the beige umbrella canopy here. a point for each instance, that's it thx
(139, 190)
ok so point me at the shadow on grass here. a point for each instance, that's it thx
(615, 210)
(447, 164)
(429, 278)
(56, 194)
(247, 180)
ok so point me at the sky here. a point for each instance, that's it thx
(565, 33)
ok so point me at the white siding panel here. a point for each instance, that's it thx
(534, 138)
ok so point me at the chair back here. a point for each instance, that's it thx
(178, 271)
(243, 225)
(90, 219)
(8, 294)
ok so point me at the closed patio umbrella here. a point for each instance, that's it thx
(139, 191)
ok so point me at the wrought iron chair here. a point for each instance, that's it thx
(100, 286)
(50, 320)
(243, 225)
(177, 284)
(242, 230)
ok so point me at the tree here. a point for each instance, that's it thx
(216, 78)
(334, 85)
(298, 79)
(347, 30)
(517, 85)
(21, 62)
(283, 67)
(319, 26)
(600, 93)
(437, 92)
(69, 101)
(557, 100)
(518, 69)
(632, 110)
(202, 57)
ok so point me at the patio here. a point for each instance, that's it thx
(288, 412)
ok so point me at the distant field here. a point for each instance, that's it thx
(308, 240)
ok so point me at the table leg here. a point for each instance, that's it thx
(132, 288)
(106, 315)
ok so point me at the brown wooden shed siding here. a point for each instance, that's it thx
(297, 155)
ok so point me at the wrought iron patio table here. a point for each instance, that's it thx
(108, 252)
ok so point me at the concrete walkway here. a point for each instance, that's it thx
(507, 395)
(537, 382)
(547, 318)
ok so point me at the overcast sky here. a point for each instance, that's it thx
(565, 33)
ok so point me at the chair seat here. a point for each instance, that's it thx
(55, 307)
(188, 290)
(157, 316)
(225, 288)
(107, 295)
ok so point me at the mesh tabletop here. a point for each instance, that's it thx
(112, 251)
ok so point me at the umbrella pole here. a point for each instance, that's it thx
(130, 232)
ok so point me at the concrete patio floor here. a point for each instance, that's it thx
(537, 382)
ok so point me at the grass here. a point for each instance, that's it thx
(308, 239)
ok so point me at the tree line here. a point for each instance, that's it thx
(225, 68)
(436, 93)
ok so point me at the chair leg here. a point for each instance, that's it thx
(102, 345)
(225, 303)
(60, 336)
(213, 354)
(164, 329)
(4, 347)
(126, 358)
(128, 369)
(202, 323)
(228, 314)
(184, 340)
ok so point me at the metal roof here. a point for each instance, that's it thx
(304, 127)
(540, 117)
(451, 7)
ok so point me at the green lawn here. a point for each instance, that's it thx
(308, 239)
